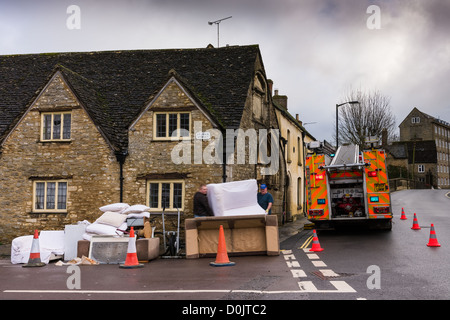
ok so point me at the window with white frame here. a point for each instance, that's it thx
(50, 196)
(421, 168)
(415, 120)
(56, 126)
(168, 194)
(171, 125)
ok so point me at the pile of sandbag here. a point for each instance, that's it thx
(113, 219)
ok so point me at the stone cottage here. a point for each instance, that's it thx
(81, 130)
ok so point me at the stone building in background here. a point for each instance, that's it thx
(424, 147)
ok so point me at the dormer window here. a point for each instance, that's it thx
(169, 125)
(56, 126)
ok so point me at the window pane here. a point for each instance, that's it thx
(40, 193)
(51, 195)
(67, 125)
(177, 195)
(165, 195)
(154, 189)
(160, 125)
(184, 124)
(56, 126)
(172, 123)
(47, 127)
(62, 195)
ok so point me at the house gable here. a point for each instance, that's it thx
(407, 120)
(150, 158)
(58, 97)
(175, 97)
(83, 163)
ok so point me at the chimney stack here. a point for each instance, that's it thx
(270, 85)
(280, 100)
(384, 137)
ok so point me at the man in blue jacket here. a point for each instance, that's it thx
(265, 199)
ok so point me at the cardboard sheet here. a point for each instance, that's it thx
(244, 235)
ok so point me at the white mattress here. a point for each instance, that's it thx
(234, 198)
(50, 242)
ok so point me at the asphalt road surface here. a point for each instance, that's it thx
(355, 264)
(383, 265)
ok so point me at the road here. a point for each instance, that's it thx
(355, 264)
(407, 268)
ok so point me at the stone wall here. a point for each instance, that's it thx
(86, 162)
(422, 130)
(150, 159)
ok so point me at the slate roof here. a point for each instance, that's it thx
(398, 150)
(422, 151)
(115, 86)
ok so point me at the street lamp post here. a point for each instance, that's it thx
(337, 119)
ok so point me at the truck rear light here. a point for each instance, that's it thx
(315, 212)
(374, 199)
(381, 209)
(319, 176)
(372, 174)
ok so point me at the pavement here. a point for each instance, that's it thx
(290, 229)
(286, 231)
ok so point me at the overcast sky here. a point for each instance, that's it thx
(315, 51)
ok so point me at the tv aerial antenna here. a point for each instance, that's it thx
(217, 22)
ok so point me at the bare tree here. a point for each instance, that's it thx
(367, 118)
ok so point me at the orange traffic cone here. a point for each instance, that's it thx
(415, 223)
(132, 260)
(35, 254)
(222, 256)
(315, 243)
(433, 239)
(403, 217)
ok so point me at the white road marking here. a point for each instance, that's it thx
(298, 273)
(293, 264)
(328, 273)
(313, 256)
(341, 287)
(152, 291)
(318, 263)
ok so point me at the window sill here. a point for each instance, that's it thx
(174, 139)
(47, 212)
(55, 141)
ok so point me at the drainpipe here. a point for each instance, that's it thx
(304, 175)
(224, 156)
(120, 156)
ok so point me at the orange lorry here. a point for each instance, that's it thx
(350, 188)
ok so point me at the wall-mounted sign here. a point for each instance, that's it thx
(203, 135)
